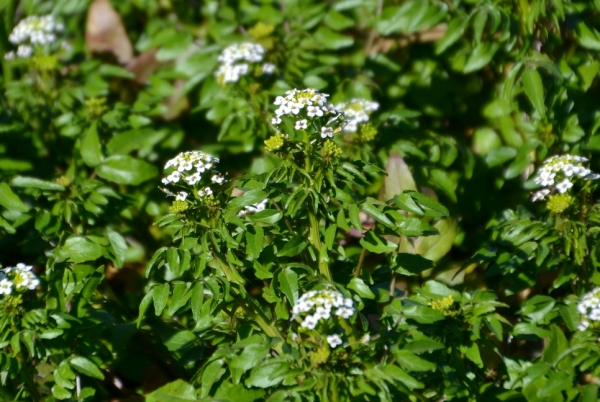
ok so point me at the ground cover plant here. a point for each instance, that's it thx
(354, 200)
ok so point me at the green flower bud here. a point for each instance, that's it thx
(274, 143)
(367, 132)
(179, 207)
(444, 305)
(330, 150)
(558, 203)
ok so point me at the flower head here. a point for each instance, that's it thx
(356, 111)
(589, 308)
(334, 341)
(321, 305)
(559, 173)
(237, 60)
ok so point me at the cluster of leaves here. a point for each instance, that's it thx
(461, 288)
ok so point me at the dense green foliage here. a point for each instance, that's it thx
(359, 200)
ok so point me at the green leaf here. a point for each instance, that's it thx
(361, 289)
(378, 215)
(558, 343)
(472, 353)
(354, 215)
(32, 182)
(532, 83)
(250, 357)
(119, 246)
(288, 279)
(443, 181)
(330, 235)
(124, 169)
(412, 362)
(332, 40)
(79, 249)
(176, 391)
(268, 216)
(10, 200)
(60, 393)
(588, 38)
(377, 244)
(398, 374)
(435, 247)
(248, 198)
(180, 340)
(455, 30)
(422, 314)
(268, 374)
(91, 151)
(161, 295)
(87, 367)
(481, 56)
(255, 240)
(411, 264)
(292, 247)
(211, 374)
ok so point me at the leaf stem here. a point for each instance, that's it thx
(315, 240)
(361, 260)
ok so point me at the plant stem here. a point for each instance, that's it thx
(361, 259)
(315, 240)
(247, 303)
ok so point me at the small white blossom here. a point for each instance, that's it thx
(315, 306)
(5, 287)
(326, 132)
(276, 120)
(205, 191)
(235, 61)
(540, 195)
(181, 196)
(563, 186)
(217, 178)
(589, 308)
(356, 111)
(334, 340)
(268, 68)
(9, 55)
(301, 125)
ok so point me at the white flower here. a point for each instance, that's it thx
(313, 111)
(540, 195)
(301, 125)
(24, 51)
(326, 132)
(589, 308)
(23, 267)
(9, 55)
(181, 196)
(268, 68)
(235, 61)
(344, 312)
(583, 325)
(563, 186)
(334, 340)
(276, 120)
(5, 287)
(356, 111)
(174, 177)
(310, 322)
(205, 191)
(193, 179)
(217, 178)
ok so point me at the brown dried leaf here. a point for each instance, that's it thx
(144, 65)
(105, 33)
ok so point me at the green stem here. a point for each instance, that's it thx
(361, 259)
(247, 303)
(315, 240)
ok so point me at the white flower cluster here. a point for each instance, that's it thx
(190, 167)
(589, 307)
(33, 31)
(19, 278)
(252, 209)
(356, 111)
(305, 106)
(317, 305)
(558, 173)
(237, 59)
